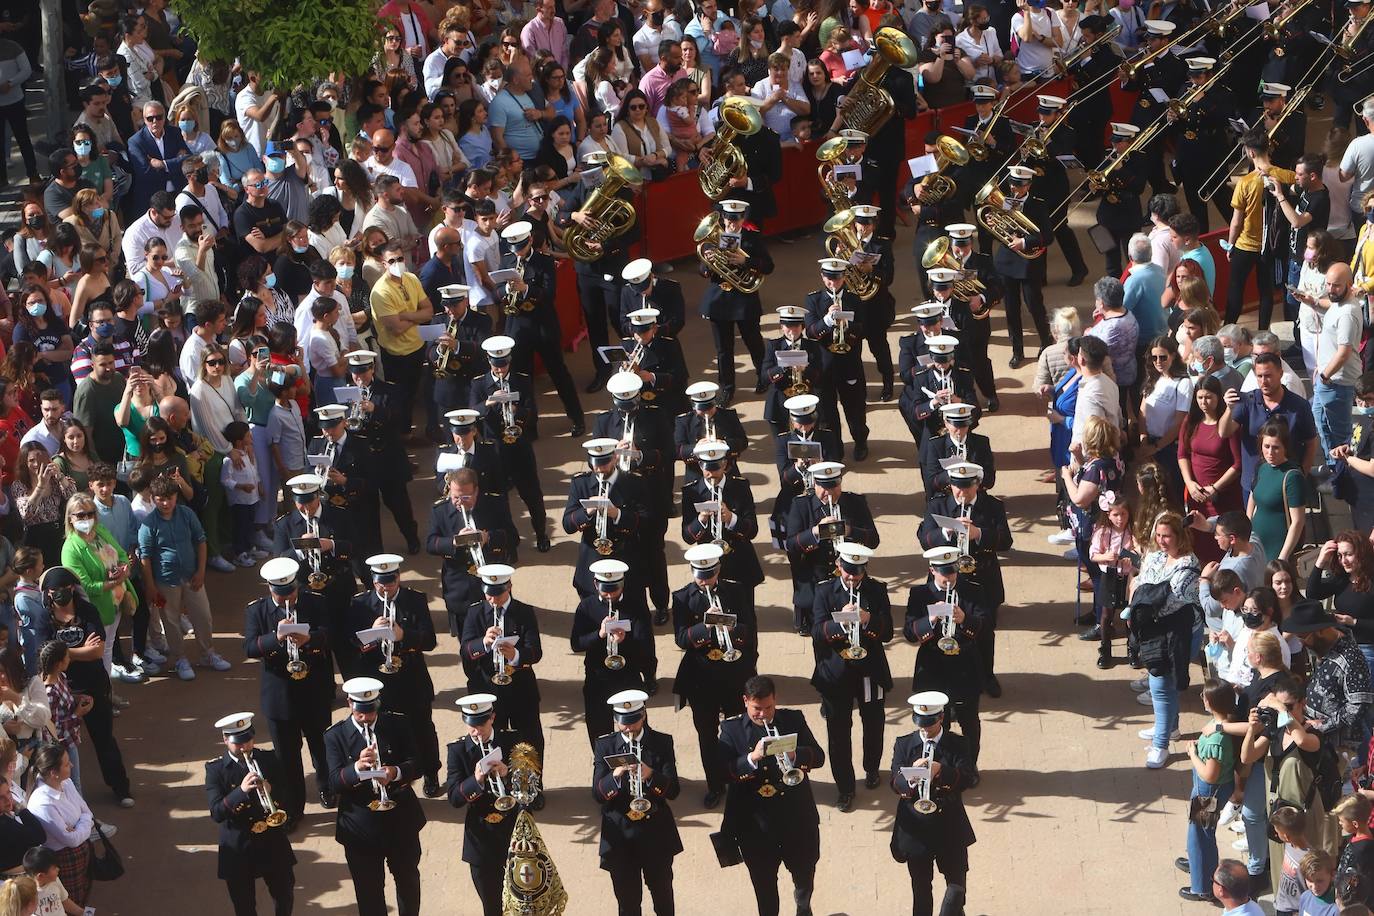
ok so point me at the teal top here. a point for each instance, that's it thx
(1276, 491)
(1218, 746)
(258, 407)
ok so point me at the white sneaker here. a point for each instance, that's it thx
(1141, 684)
(150, 654)
(1237, 826)
(147, 666)
(185, 671)
(245, 560)
(257, 553)
(1148, 734)
(1229, 812)
(1144, 699)
(219, 564)
(262, 541)
(108, 829)
(185, 623)
(214, 660)
(128, 675)
(1061, 537)
(126, 802)
(1156, 757)
(1241, 845)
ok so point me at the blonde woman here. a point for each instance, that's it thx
(1362, 264)
(96, 224)
(100, 564)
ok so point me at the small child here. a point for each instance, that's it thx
(285, 428)
(41, 864)
(1318, 870)
(1290, 825)
(726, 39)
(142, 502)
(243, 489)
(28, 603)
(1113, 548)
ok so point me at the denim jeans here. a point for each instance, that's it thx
(1202, 844)
(1331, 405)
(1254, 813)
(1164, 696)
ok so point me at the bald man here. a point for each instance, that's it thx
(1338, 359)
(445, 266)
(385, 162)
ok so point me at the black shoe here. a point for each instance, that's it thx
(712, 799)
(327, 800)
(1104, 656)
(412, 544)
(1077, 278)
(845, 802)
(726, 395)
(872, 780)
(293, 823)
(993, 406)
(886, 394)
(652, 688)
(860, 451)
(538, 803)
(1016, 360)
(660, 617)
(579, 428)
(804, 631)
(992, 687)
(597, 383)
(1259, 884)
(432, 788)
(761, 386)
(1086, 619)
(976, 778)
(1318, 101)
(1187, 894)
(1181, 863)
(1093, 634)
(1133, 658)
(541, 542)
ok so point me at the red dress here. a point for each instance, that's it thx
(1212, 456)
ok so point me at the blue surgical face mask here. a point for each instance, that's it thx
(82, 147)
(103, 328)
(1285, 719)
(1229, 354)
(36, 310)
(1195, 367)
(98, 213)
(271, 281)
(1361, 410)
(187, 126)
(276, 165)
(1369, 217)
(299, 249)
(345, 271)
(115, 81)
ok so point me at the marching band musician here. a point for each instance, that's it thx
(1118, 209)
(881, 310)
(770, 813)
(842, 351)
(955, 308)
(513, 427)
(639, 837)
(535, 326)
(598, 281)
(379, 818)
(930, 217)
(1292, 55)
(851, 666)
(863, 184)
(644, 290)
(794, 473)
(952, 669)
(1024, 276)
(941, 382)
(913, 350)
(661, 366)
(297, 678)
(1000, 141)
(613, 658)
(470, 785)
(469, 450)
(1051, 181)
(1165, 73)
(1090, 116)
(245, 854)
(345, 463)
(463, 510)
(845, 517)
(1348, 93)
(762, 150)
(786, 383)
(464, 330)
(1200, 139)
(708, 414)
(624, 519)
(1289, 138)
(512, 682)
(957, 442)
(325, 564)
(732, 310)
(942, 836)
(409, 689)
(735, 518)
(709, 678)
(380, 421)
(985, 520)
(887, 145)
(977, 330)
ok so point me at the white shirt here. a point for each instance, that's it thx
(974, 48)
(1168, 398)
(200, 285)
(67, 820)
(348, 332)
(433, 71)
(1359, 162)
(252, 130)
(142, 229)
(1341, 325)
(1097, 397)
(779, 117)
(39, 433)
(191, 354)
(480, 249)
(215, 217)
(398, 167)
(646, 42)
(1033, 56)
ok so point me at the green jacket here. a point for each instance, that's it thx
(84, 561)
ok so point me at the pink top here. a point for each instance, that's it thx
(1107, 539)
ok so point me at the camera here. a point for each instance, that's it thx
(1270, 718)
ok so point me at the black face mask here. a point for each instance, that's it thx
(61, 596)
(1253, 621)
(34, 222)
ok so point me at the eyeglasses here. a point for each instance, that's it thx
(80, 515)
(214, 362)
(152, 118)
(382, 149)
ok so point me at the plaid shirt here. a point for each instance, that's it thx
(63, 705)
(1339, 692)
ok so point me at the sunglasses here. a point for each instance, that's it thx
(80, 515)
(1159, 357)
(382, 149)
(639, 108)
(509, 44)
(151, 119)
(214, 362)
(259, 185)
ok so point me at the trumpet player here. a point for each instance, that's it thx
(942, 836)
(644, 289)
(733, 524)
(985, 533)
(296, 678)
(794, 470)
(957, 443)
(770, 813)
(513, 426)
(344, 461)
(235, 793)
(377, 417)
(1165, 73)
(474, 787)
(615, 656)
(709, 419)
(639, 836)
(456, 356)
(1021, 262)
(913, 350)
(1118, 206)
(1200, 139)
(655, 358)
(468, 449)
(941, 382)
(372, 759)
(816, 523)
(506, 671)
(977, 331)
(841, 351)
(405, 613)
(851, 666)
(614, 528)
(946, 642)
(716, 658)
(789, 382)
(535, 325)
(731, 310)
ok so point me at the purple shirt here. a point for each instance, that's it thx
(1120, 334)
(654, 85)
(536, 37)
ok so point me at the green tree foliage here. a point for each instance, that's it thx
(289, 42)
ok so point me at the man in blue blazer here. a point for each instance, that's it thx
(156, 152)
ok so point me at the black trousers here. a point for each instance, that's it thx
(600, 303)
(1154, 165)
(655, 558)
(628, 880)
(368, 868)
(522, 473)
(1031, 290)
(100, 725)
(421, 719)
(1068, 243)
(397, 498)
(488, 878)
(953, 866)
(17, 119)
(287, 735)
(523, 718)
(965, 712)
(978, 336)
(1242, 262)
(707, 710)
(763, 874)
(281, 884)
(987, 641)
(404, 372)
(546, 339)
(1117, 256)
(723, 332)
(838, 711)
(879, 314)
(852, 395)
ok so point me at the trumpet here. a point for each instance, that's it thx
(272, 815)
(511, 303)
(739, 117)
(796, 379)
(937, 186)
(842, 240)
(612, 216)
(614, 660)
(869, 106)
(476, 556)
(639, 805)
(501, 677)
(317, 580)
(391, 663)
(443, 354)
(938, 254)
(838, 343)
(296, 668)
(504, 801)
(854, 651)
(948, 642)
(356, 418)
(924, 804)
(707, 237)
(383, 801)
(791, 775)
(1006, 223)
(717, 517)
(511, 430)
(727, 652)
(831, 153)
(834, 515)
(967, 564)
(626, 461)
(603, 544)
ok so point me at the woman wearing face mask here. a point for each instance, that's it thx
(474, 139)
(1320, 252)
(32, 238)
(39, 491)
(51, 339)
(751, 57)
(1258, 614)
(979, 44)
(293, 264)
(101, 566)
(95, 167)
(235, 154)
(159, 454)
(256, 278)
(94, 287)
(96, 225)
(356, 292)
(197, 141)
(159, 278)
(1344, 571)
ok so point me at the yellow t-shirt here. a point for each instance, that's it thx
(391, 298)
(1248, 198)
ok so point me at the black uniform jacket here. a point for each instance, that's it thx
(356, 824)
(486, 831)
(948, 827)
(282, 697)
(518, 620)
(654, 837)
(243, 853)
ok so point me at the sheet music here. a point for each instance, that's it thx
(431, 332)
(373, 634)
(348, 394)
(792, 359)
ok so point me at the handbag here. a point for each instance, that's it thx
(106, 863)
(1203, 811)
(1304, 557)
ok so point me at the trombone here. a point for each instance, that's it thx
(1277, 26)
(272, 815)
(383, 801)
(948, 642)
(1065, 64)
(923, 803)
(1346, 49)
(854, 651)
(614, 660)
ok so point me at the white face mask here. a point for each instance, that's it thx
(396, 270)
(84, 525)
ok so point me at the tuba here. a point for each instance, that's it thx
(936, 186)
(841, 242)
(869, 106)
(829, 154)
(937, 254)
(1004, 224)
(614, 217)
(707, 237)
(738, 118)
